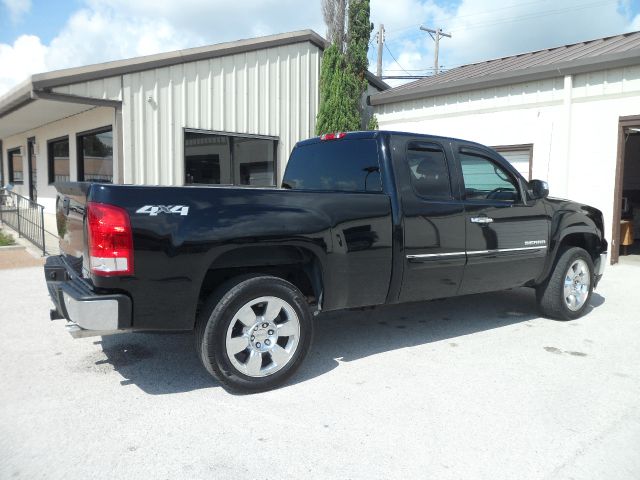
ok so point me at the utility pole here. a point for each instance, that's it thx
(380, 45)
(438, 33)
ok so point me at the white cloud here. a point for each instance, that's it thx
(17, 8)
(106, 30)
(20, 59)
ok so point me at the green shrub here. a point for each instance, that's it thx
(6, 239)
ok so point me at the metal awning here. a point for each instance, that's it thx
(32, 108)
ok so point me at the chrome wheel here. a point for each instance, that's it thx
(263, 336)
(577, 282)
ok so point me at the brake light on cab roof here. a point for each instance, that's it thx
(333, 136)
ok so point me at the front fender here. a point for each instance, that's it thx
(574, 225)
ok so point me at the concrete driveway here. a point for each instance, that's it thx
(476, 388)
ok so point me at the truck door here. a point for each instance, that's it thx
(434, 244)
(507, 233)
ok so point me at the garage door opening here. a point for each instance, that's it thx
(626, 228)
(520, 156)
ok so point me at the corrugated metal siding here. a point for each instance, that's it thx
(105, 88)
(618, 81)
(268, 92)
(271, 92)
(510, 96)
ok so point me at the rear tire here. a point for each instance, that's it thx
(254, 332)
(566, 293)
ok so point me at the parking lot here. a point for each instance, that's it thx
(476, 387)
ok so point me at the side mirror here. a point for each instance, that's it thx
(538, 189)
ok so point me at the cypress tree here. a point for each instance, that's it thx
(342, 74)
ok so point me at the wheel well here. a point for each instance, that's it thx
(586, 241)
(295, 265)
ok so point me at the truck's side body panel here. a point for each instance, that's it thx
(348, 233)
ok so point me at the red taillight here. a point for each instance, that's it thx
(110, 240)
(333, 136)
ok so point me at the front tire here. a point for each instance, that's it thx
(566, 293)
(254, 333)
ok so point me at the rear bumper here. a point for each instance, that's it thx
(89, 312)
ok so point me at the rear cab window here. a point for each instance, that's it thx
(344, 165)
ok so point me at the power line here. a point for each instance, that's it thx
(409, 69)
(533, 15)
(403, 77)
(485, 12)
(394, 58)
(516, 18)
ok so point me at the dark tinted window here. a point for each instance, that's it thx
(254, 161)
(59, 161)
(229, 159)
(485, 180)
(15, 167)
(343, 165)
(96, 157)
(428, 171)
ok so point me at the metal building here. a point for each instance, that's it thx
(221, 114)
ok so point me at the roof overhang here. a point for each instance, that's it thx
(542, 72)
(27, 109)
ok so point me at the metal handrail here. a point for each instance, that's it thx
(23, 215)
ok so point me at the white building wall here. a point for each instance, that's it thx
(70, 126)
(572, 123)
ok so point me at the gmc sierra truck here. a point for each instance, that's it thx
(361, 219)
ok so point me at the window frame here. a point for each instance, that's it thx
(232, 135)
(446, 162)
(464, 150)
(80, 152)
(51, 174)
(11, 179)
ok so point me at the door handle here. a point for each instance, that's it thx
(481, 220)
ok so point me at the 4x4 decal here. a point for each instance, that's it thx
(154, 210)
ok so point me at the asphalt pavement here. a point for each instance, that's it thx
(478, 387)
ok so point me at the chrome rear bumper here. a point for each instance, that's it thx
(90, 313)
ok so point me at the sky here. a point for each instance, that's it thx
(44, 35)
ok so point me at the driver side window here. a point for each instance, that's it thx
(485, 180)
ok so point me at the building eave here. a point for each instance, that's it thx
(122, 67)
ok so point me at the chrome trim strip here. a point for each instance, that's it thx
(476, 252)
(433, 255)
(502, 250)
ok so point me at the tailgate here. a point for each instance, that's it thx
(70, 211)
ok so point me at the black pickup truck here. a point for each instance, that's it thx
(361, 219)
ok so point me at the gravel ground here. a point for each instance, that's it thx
(477, 387)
